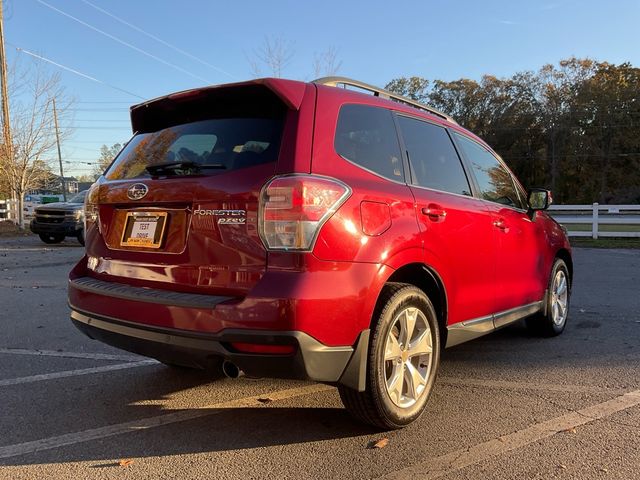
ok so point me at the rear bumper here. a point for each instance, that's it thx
(332, 303)
(312, 360)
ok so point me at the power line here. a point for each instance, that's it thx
(121, 110)
(72, 142)
(73, 127)
(69, 69)
(122, 42)
(167, 44)
(110, 120)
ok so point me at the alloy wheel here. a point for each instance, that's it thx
(408, 357)
(559, 298)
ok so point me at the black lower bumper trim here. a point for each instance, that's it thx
(312, 360)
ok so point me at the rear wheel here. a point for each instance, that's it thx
(80, 237)
(552, 322)
(404, 355)
(51, 237)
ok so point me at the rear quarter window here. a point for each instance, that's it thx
(366, 136)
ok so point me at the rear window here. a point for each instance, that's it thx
(367, 136)
(205, 147)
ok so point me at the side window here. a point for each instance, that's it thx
(367, 136)
(495, 182)
(432, 156)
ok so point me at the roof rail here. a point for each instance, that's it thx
(380, 92)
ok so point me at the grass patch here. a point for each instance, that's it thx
(586, 227)
(606, 242)
(10, 229)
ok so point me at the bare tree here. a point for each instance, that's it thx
(25, 166)
(107, 154)
(274, 56)
(326, 64)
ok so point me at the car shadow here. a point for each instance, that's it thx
(148, 394)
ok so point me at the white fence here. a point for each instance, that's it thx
(598, 220)
(9, 210)
(580, 220)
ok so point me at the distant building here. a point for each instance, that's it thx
(54, 185)
(82, 186)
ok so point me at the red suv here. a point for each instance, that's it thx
(298, 230)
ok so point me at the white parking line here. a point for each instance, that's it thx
(157, 421)
(53, 353)
(74, 373)
(454, 461)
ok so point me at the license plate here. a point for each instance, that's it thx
(144, 229)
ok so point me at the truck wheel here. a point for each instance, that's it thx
(51, 237)
(80, 237)
(404, 355)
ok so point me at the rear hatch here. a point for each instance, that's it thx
(178, 208)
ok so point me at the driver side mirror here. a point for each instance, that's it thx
(539, 199)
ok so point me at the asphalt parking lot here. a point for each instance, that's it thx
(506, 406)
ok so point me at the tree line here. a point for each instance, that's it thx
(572, 127)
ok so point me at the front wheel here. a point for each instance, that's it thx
(51, 238)
(404, 354)
(554, 318)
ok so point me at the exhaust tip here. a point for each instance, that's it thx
(231, 370)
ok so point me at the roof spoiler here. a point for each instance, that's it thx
(291, 92)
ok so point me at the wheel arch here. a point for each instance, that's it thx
(564, 255)
(427, 280)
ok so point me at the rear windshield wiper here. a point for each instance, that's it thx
(171, 167)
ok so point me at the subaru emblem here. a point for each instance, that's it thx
(137, 191)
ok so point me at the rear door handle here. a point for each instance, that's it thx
(434, 212)
(499, 223)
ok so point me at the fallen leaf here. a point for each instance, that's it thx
(604, 470)
(501, 439)
(265, 400)
(125, 463)
(563, 467)
(569, 430)
(379, 443)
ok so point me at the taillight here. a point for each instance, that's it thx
(293, 208)
(91, 207)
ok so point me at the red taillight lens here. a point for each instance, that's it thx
(261, 348)
(91, 206)
(293, 208)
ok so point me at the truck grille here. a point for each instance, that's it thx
(51, 216)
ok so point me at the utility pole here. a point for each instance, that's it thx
(55, 121)
(6, 123)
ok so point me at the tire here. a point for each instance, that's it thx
(80, 237)
(51, 238)
(553, 320)
(399, 377)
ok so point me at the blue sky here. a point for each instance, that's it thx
(374, 41)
